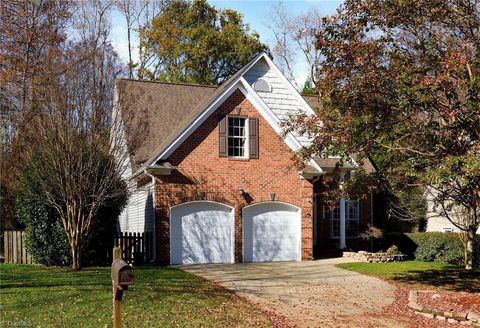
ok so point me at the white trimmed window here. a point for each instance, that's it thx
(237, 137)
(352, 219)
(333, 216)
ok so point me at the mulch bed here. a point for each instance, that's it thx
(450, 301)
(400, 309)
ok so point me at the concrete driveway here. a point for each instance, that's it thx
(308, 294)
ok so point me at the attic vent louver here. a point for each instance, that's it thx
(262, 85)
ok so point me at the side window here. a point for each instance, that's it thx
(237, 137)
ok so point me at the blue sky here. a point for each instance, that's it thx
(255, 13)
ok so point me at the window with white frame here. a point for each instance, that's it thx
(237, 136)
(352, 219)
(333, 215)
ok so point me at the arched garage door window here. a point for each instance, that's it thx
(201, 232)
(271, 232)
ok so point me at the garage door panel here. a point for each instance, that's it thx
(201, 232)
(271, 232)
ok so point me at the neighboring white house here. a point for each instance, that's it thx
(436, 221)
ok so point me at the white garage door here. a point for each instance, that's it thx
(271, 232)
(201, 232)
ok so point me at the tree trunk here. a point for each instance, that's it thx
(469, 250)
(76, 257)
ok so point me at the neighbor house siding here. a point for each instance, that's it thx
(201, 169)
(280, 99)
(138, 215)
(436, 221)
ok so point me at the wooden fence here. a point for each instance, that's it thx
(14, 249)
(136, 247)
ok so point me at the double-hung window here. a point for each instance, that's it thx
(352, 219)
(237, 137)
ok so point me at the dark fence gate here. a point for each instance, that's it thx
(137, 247)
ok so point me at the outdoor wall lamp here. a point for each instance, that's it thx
(241, 191)
(272, 196)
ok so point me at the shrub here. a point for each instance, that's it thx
(393, 250)
(438, 247)
(45, 237)
(430, 246)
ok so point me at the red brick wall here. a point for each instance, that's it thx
(200, 169)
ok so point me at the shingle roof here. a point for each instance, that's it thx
(161, 110)
(157, 109)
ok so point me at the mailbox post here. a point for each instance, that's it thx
(122, 277)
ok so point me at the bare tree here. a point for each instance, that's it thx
(27, 30)
(138, 16)
(293, 34)
(68, 134)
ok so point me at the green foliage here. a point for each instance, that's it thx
(430, 246)
(393, 250)
(438, 247)
(309, 88)
(195, 42)
(46, 240)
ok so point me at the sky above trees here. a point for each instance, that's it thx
(256, 13)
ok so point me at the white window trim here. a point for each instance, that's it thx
(347, 212)
(246, 149)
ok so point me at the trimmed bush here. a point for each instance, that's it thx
(45, 238)
(430, 246)
(438, 247)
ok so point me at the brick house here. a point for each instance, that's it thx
(214, 177)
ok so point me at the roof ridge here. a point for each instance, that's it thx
(171, 83)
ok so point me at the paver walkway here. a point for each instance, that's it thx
(308, 294)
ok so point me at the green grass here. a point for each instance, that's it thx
(160, 297)
(432, 274)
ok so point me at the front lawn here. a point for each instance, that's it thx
(432, 274)
(161, 297)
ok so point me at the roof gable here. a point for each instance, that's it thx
(271, 110)
(175, 111)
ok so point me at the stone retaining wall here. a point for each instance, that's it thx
(471, 318)
(375, 257)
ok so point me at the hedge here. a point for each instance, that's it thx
(430, 246)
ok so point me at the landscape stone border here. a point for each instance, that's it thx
(375, 257)
(470, 318)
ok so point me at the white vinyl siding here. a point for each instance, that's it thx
(436, 221)
(139, 214)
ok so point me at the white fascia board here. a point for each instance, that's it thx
(290, 86)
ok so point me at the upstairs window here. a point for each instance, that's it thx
(237, 136)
